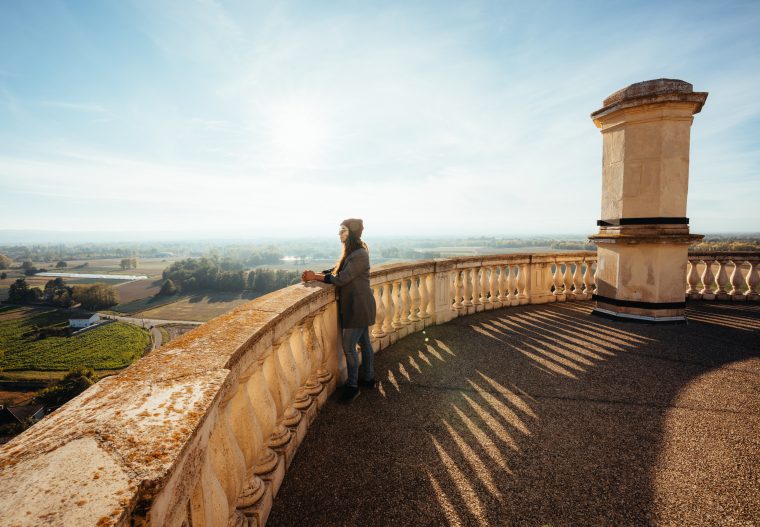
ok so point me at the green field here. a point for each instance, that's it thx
(112, 346)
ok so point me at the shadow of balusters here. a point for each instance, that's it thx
(473, 448)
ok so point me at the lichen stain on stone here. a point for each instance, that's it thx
(143, 417)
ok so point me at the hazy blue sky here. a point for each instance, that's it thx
(280, 118)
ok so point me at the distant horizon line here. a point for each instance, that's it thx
(50, 236)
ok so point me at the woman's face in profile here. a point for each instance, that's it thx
(343, 233)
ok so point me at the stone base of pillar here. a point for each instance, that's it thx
(641, 278)
(667, 316)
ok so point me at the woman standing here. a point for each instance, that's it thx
(356, 305)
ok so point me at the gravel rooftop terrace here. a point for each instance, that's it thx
(544, 416)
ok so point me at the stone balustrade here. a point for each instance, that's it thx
(201, 431)
(714, 275)
(412, 296)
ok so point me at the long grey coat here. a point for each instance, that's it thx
(356, 304)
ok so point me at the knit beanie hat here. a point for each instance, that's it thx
(355, 226)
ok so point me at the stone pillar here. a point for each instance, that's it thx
(441, 293)
(644, 235)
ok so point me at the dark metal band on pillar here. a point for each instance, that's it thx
(635, 303)
(642, 221)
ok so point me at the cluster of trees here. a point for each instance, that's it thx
(727, 245)
(572, 245)
(268, 280)
(196, 274)
(75, 382)
(57, 293)
(129, 263)
(30, 269)
(20, 293)
(95, 296)
(5, 262)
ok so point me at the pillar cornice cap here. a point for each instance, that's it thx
(655, 91)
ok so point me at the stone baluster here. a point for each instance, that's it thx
(313, 344)
(398, 304)
(406, 304)
(253, 503)
(588, 279)
(752, 280)
(227, 460)
(512, 286)
(430, 288)
(722, 280)
(458, 289)
(414, 296)
(247, 428)
(300, 353)
(388, 308)
(425, 302)
(578, 282)
(523, 297)
(503, 285)
(557, 281)
(475, 286)
(453, 288)
(484, 285)
(377, 329)
(324, 376)
(208, 502)
(493, 289)
(243, 417)
(708, 279)
(467, 279)
(567, 282)
(276, 381)
(737, 280)
(692, 280)
(260, 393)
(288, 367)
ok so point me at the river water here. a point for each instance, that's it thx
(98, 276)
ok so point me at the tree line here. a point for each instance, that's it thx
(56, 293)
(204, 274)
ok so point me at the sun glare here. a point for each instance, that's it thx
(298, 135)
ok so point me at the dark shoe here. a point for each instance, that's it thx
(349, 394)
(367, 384)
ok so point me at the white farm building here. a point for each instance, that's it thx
(83, 321)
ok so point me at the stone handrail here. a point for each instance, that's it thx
(707, 276)
(201, 431)
(412, 296)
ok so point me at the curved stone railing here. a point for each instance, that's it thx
(201, 431)
(708, 278)
(412, 296)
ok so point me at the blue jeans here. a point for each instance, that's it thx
(351, 337)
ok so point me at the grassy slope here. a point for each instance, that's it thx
(109, 347)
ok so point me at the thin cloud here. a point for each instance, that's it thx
(76, 106)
